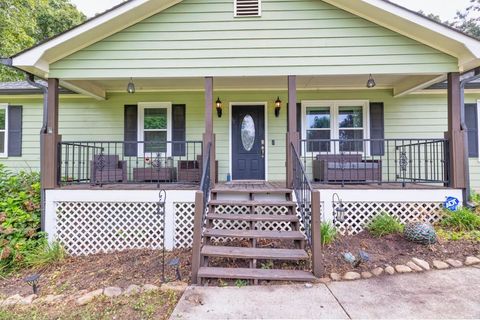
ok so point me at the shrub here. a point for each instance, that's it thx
(461, 220)
(45, 254)
(19, 217)
(328, 233)
(384, 224)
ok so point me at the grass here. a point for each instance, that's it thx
(328, 233)
(45, 255)
(452, 235)
(384, 224)
(461, 220)
(241, 283)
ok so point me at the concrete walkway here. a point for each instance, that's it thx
(447, 294)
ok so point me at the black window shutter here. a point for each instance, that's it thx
(377, 128)
(131, 130)
(471, 120)
(178, 129)
(15, 131)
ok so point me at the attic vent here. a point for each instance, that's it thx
(247, 8)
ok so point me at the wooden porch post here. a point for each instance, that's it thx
(292, 134)
(50, 139)
(209, 137)
(197, 235)
(455, 135)
(317, 265)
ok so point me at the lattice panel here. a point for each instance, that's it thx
(359, 214)
(184, 221)
(94, 227)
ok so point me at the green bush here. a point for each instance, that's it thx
(461, 220)
(328, 233)
(19, 217)
(45, 254)
(384, 224)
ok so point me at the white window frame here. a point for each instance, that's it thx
(334, 127)
(4, 154)
(141, 130)
(235, 14)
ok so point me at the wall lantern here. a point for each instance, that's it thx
(131, 87)
(218, 104)
(371, 82)
(278, 106)
(339, 209)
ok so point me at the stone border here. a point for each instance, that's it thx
(84, 297)
(414, 265)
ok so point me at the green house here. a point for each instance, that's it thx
(235, 104)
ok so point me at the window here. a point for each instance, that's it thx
(3, 130)
(154, 123)
(345, 122)
(247, 8)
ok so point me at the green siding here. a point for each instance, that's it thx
(202, 38)
(413, 116)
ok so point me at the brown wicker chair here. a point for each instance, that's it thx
(108, 169)
(346, 168)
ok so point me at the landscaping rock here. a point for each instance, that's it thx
(51, 299)
(413, 266)
(389, 270)
(351, 276)
(132, 290)
(335, 276)
(112, 292)
(308, 285)
(325, 280)
(422, 263)
(454, 263)
(366, 275)
(377, 271)
(402, 268)
(88, 297)
(28, 299)
(177, 286)
(150, 288)
(440, 264)
(12, 300)
(471, 261)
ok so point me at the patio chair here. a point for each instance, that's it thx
(346, 168)
(108, 169)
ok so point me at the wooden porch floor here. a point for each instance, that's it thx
(248, 186)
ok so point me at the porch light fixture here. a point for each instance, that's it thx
(278, 106)
(33, 282)
(371, 82)
(218, 104)
(131, 87)
(338, 208)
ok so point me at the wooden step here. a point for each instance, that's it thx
(253, 191)
(254, 253)
(255, 274)
(255, 234)
(254, 217)
(250, 203)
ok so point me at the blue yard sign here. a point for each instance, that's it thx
(451, 204)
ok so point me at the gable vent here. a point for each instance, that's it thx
(247, 8)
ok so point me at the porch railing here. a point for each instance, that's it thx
(138, 162)
(365, 161)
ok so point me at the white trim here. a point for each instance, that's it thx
(140, 130)
(253, 104)
(4, 154)
(334, 129)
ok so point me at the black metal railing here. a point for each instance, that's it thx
(139, 162)
(206, 183)
(364, 161)
(303, 193)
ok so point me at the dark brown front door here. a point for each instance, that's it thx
(248, 142)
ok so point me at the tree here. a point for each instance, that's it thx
(26, 22)
(468, 20)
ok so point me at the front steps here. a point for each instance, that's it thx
(245, 225)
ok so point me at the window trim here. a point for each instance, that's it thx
(5, 153)
(334, 114)
(141, 116)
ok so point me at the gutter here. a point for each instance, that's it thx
(463, 125)
(31, 81)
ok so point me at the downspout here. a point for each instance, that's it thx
(463, 125)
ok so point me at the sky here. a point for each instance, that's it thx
(446, 9)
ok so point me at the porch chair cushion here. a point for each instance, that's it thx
(108, 169)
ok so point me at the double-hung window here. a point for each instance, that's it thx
(3, 130)
(335, 126)
(154, 123)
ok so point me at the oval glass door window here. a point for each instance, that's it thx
(248, 132)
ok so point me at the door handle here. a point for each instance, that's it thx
(263, 148)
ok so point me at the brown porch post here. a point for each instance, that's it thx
(455, 134)
(317, 265)
(50, 140)
(292, 134)
(208, 136)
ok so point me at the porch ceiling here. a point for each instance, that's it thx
(398, 83)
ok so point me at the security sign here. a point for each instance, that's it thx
(451, 204)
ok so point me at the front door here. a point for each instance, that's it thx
(248, 142)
